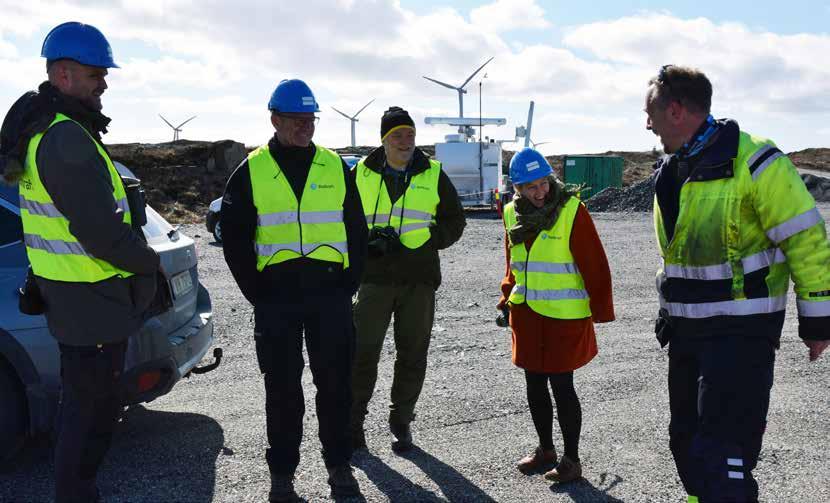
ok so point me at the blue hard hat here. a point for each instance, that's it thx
(528, 165)
(293, 96)
(79, 42)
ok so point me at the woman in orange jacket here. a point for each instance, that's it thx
(563, 287)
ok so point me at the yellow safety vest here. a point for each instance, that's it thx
(547, 277)
(412, 214)
(735, 235)
(53, 251)
(288, 229)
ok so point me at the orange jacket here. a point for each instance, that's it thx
(548, 345)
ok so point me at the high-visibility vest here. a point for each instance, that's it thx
(53, 251)
(313, 227)
(547, 278)
(738, 236)
(412, 214)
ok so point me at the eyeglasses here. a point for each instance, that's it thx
(301, 121)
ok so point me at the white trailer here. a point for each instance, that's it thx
(474, 167)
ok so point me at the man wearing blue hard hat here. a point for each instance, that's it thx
(557, 284)
(94, 270)
(295, 241)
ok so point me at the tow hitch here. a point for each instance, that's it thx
(217, 355)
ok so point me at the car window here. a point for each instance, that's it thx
(11, 229)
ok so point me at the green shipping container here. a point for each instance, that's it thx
(596, 171)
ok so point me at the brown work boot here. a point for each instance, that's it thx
(566, 471)
(539, 460)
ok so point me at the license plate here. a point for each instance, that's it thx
(182, 283)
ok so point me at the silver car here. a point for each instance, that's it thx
(168, 347)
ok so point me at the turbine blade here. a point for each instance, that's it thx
(362, 109)
(185, 122)
(166, 122)
(441, 83)
(475, 72)
(341, 113)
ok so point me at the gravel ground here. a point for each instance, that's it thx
(205, 440)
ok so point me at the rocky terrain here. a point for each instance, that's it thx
(181, 178)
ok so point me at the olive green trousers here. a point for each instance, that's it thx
(413, 307)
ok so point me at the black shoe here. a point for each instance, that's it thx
(358, 439)
(342, 482)
(401, 437)
(282, 489)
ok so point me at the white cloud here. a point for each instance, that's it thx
(192, 57)
(506, 15)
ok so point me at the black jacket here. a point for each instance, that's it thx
(238, 218)
(79, 183)
(421, 265)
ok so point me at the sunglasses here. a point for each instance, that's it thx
(663, 76)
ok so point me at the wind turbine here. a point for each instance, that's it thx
(460, 89)
(536, 144)
(176, 129)
(353, 118)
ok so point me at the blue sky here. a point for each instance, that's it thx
(585, 64)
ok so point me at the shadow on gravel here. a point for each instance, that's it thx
(155, 456)
(391, 483)
(456, 487)
(583, 491)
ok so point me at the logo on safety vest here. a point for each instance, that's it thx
(314, 186)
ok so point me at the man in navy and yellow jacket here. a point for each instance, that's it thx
(734, 222)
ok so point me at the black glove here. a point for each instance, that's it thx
(30, 300)
(503, 320)
(663, 328)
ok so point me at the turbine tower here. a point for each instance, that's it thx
(529, 125)
(460, 89)
(353, 118)
(176, 129)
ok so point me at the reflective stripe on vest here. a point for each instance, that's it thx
(412, 214)
(547, 278)
(53, 251)
(288, 229)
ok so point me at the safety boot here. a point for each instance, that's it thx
(342, 482)
(282, 489)
(401, 437)
(539, 460)
(566, 471)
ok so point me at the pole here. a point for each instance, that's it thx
(480, 137)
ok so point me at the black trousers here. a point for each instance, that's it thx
(324, 316)
(89, 410)
(719, 389)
